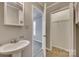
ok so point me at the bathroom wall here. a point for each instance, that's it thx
(8, 33)
(28, 24)
(48, 30)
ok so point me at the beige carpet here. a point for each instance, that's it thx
(56, 52)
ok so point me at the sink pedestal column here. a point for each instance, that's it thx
(17, 54)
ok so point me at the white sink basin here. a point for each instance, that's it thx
(11, 48)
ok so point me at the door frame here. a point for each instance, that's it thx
(72, 52)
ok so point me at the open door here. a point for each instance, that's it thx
(44, 31)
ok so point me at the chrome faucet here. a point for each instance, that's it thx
(13, 41)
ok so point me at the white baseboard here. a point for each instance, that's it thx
(60, 47)
(49, 49)
(72, 53)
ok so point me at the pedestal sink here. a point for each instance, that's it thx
(13, 48)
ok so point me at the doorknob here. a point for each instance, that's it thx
(44, 35)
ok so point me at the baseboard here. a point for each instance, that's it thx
(48, 49)
(72, 53)
(61, 48)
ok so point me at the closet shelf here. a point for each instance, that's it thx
(59, 21)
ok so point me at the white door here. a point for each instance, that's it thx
(44, 31)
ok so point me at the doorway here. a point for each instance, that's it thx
(37, 43)
(60, 33)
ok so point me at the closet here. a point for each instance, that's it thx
(62, 28)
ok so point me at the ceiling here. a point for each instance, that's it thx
(47, 3)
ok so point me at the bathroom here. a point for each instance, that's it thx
(46, 29)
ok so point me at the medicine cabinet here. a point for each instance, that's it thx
(14, 13)
(77, 13)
